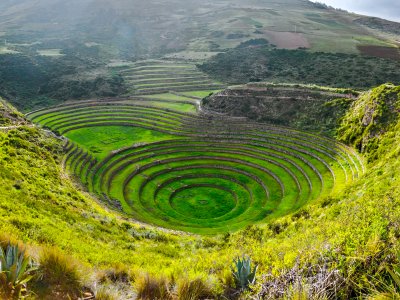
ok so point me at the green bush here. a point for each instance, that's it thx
(243, 274)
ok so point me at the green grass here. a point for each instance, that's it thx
(103, 139)
(173, 84)
(167, 96)
(188, 108)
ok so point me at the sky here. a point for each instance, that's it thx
(387, 9)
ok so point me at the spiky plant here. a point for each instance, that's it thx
(15, 272)
(243, 274)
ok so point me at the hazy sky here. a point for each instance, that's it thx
(388, 9)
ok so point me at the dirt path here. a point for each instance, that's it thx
(9, 127)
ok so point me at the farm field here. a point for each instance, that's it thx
(162, 76)
(161, 163)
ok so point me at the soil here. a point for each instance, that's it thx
(287, 40)
(379, 51)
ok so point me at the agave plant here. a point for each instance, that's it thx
(15, 272)
(243, 274)
(395, 274)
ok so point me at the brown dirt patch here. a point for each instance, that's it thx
(287, 40)
(379, 51)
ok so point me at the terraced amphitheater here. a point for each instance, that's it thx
(160, 76)
(162, 161)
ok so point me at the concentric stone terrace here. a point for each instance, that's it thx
(195, 172)
(159, 76)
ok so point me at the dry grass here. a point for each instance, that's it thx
(106, 292)
(313, 283)
(151, 288)
(59, 275)
(6, 239)
(119, 273)
(193, 290)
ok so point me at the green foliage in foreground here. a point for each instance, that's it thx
(243, 274)
(355, 231)
(15, 272)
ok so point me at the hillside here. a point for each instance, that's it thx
(9, 116)
(310, 108)
(253, 64)
(135, 28)
(372, 117)
(334, 232)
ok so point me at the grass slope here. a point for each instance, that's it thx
(371, 117)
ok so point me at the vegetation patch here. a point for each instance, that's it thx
(369, 119)
(243, 65)
(32, 82)
(379, 24)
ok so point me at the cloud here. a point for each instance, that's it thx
(389, 9)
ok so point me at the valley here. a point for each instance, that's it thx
(186, 150)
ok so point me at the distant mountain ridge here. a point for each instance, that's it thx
(380, 24)
(131, 28)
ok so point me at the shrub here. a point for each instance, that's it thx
(150, 288)
(316, 282)
(391, 290)
(58, 274)
(119, 273)
(193, 290)
(15, 272)
(243, 274)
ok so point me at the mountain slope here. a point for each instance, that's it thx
(265, 63)
(310, 108)
(131, 28)
(369, 120)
